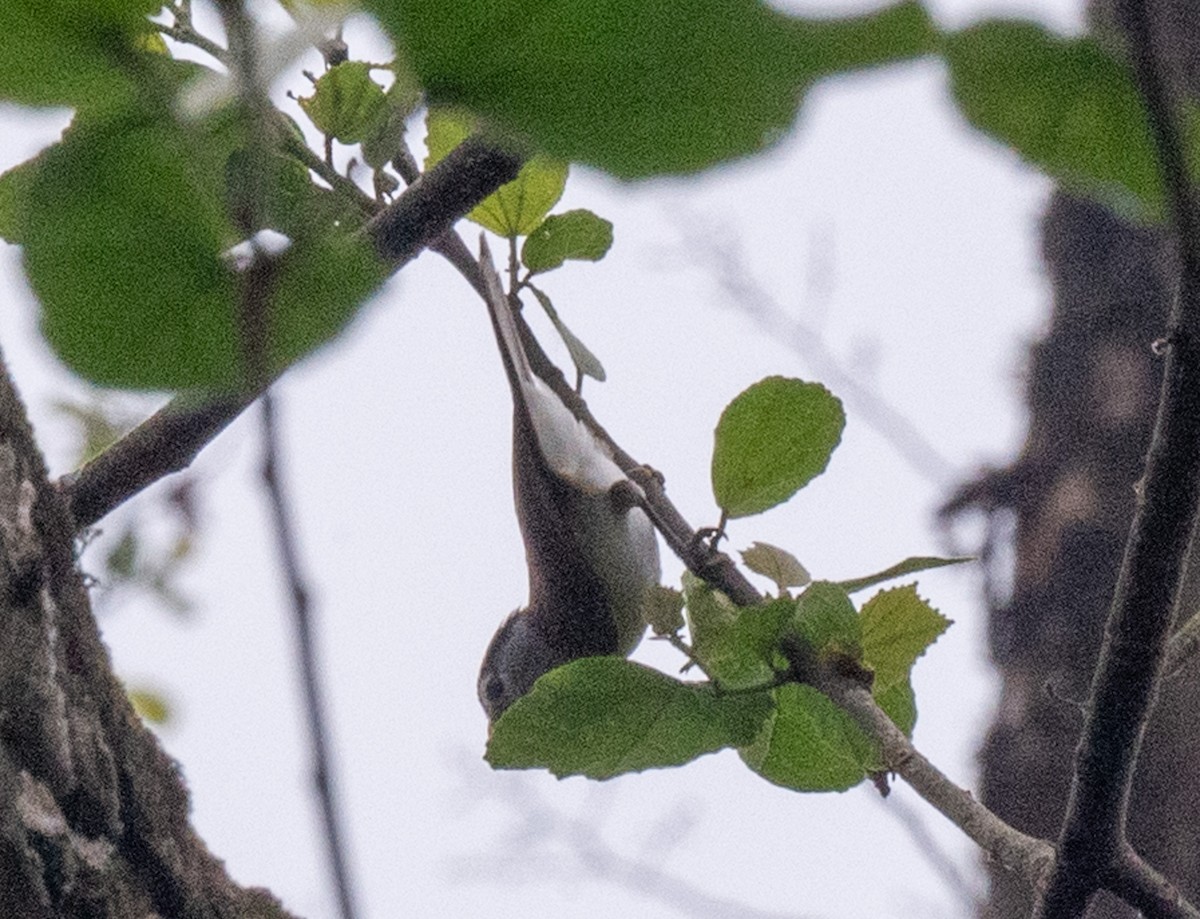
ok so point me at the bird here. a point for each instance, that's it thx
(591, 551)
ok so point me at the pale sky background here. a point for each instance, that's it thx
(902, 240)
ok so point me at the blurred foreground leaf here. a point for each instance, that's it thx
(1064, 104)
(640, 88)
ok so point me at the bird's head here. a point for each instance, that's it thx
(517, 656)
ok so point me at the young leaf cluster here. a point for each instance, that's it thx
(605, 716)
(134, 226)
(522, 208)
(764, 664)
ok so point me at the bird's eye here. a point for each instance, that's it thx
(493, 689)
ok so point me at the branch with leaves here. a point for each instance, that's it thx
(171, 439)
(243, 264)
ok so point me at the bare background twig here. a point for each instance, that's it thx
(306, 651)
(572, 849)
(256, 290)
(721, 257)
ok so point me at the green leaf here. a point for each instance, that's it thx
(909, 566)
(386, 139)
(604, 716)
(899, 702)
(771, 441)
(809, 744)
(323, 282)
(736, 647)
(150, 706)
(125, 239)
(14, 189)
(897, 628)
(709, 612)
(640, 88)
(293, 205)
(162, 75)
(445, 129)
(777, 564)
(346, 103)
(662, 608)
(1066, 105)
(578, 234)
(827, 620)
(123, 236)
(745, 655)
(581, 355)
(517, 207)
(80, 53)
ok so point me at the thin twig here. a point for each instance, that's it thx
(182, 31)
(256, 290)
(745, 294)
(1029, 857)
(1092, 840)
(1155, 897)
(314, 704)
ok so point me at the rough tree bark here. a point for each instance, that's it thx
(93, 814)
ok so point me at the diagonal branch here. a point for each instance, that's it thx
(1092, 840)
(164, 443)
(1030, 858)
(697, 554)
(170, 439)
(1139, 885)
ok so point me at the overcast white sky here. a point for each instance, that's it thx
(902, 241)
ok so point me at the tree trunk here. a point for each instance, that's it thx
(93, 814)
